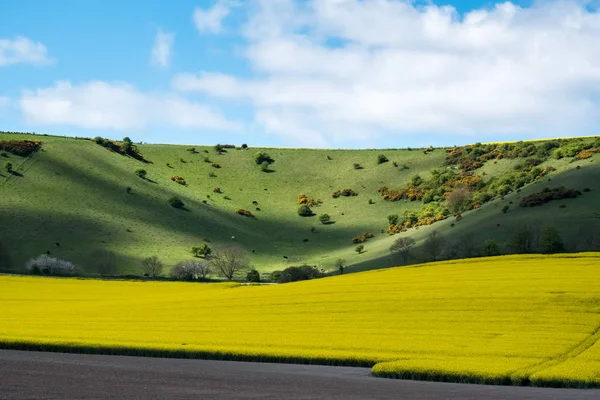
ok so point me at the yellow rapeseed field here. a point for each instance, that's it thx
(513, 319)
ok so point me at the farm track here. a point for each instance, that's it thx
(26, 375)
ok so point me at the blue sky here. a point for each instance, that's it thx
(323, 73)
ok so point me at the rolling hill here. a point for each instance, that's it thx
(70, 198)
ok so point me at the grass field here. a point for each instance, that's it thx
(525, 320)
(73, 193)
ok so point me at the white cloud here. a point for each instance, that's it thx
(161, 51)
(21, 50)
(368, 68)
(209, 20)
(118, 106)
(4, 102)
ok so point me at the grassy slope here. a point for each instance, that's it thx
(512, 319)
(73, 193)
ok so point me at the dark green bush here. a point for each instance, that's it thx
(253, 276)
(301, 273)
(381, 159)
(304, 211)
(261, 157)
(324, 218)
(176, 202)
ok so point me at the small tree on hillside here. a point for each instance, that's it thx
(490, 248)
(359, 249)
(459, 199)
(551, 241)
(589, 238)
(340, 264)
(201, 251)
(8, 167)
(402, 247)
(152, 266)
(126, 145)
(261, 157)
(141, 172)
(434, 245)
(229, 260)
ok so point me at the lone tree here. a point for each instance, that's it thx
(261, 157)
(201, 251)
(459, 200)
(402, 247)
(359, 249)
(152, 266)
(8, 167)
(466, 246)
(551, 241)
(434, 245)
(229, 260)
(589, 237)
(340, 264)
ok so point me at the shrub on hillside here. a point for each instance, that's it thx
(490, 248)
(176, 202)
(362, 238)
(325, 219)
(309, 201)
(215, 165)
(217, 190)
(359, 249)
(8, 167)
(551, 241)
(381, 159)
(178, 179)
(46, 265)
(304, 211)
(357, 166)
(344, 192)
(245, 213)
(141, 173)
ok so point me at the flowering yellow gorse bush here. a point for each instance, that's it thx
(512, 319)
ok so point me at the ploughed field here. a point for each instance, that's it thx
(524, 320)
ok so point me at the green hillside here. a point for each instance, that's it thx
(70, 198)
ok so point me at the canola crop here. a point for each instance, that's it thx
(525, 320)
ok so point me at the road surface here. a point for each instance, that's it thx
(38, 375)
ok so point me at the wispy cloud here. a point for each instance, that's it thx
(117, 106)
(21, 50)
(363, 69)
(161, 51)
(210, 20)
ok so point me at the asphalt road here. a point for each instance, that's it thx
(36, 375)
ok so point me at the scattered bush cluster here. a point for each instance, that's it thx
(125, 147)
(362, 238)
(343, 192)
(178, 179)
(546, 195)
(303, 199)
(46, 265)
(428, 215)
(23, 147)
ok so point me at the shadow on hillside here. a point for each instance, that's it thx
(201, 220)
